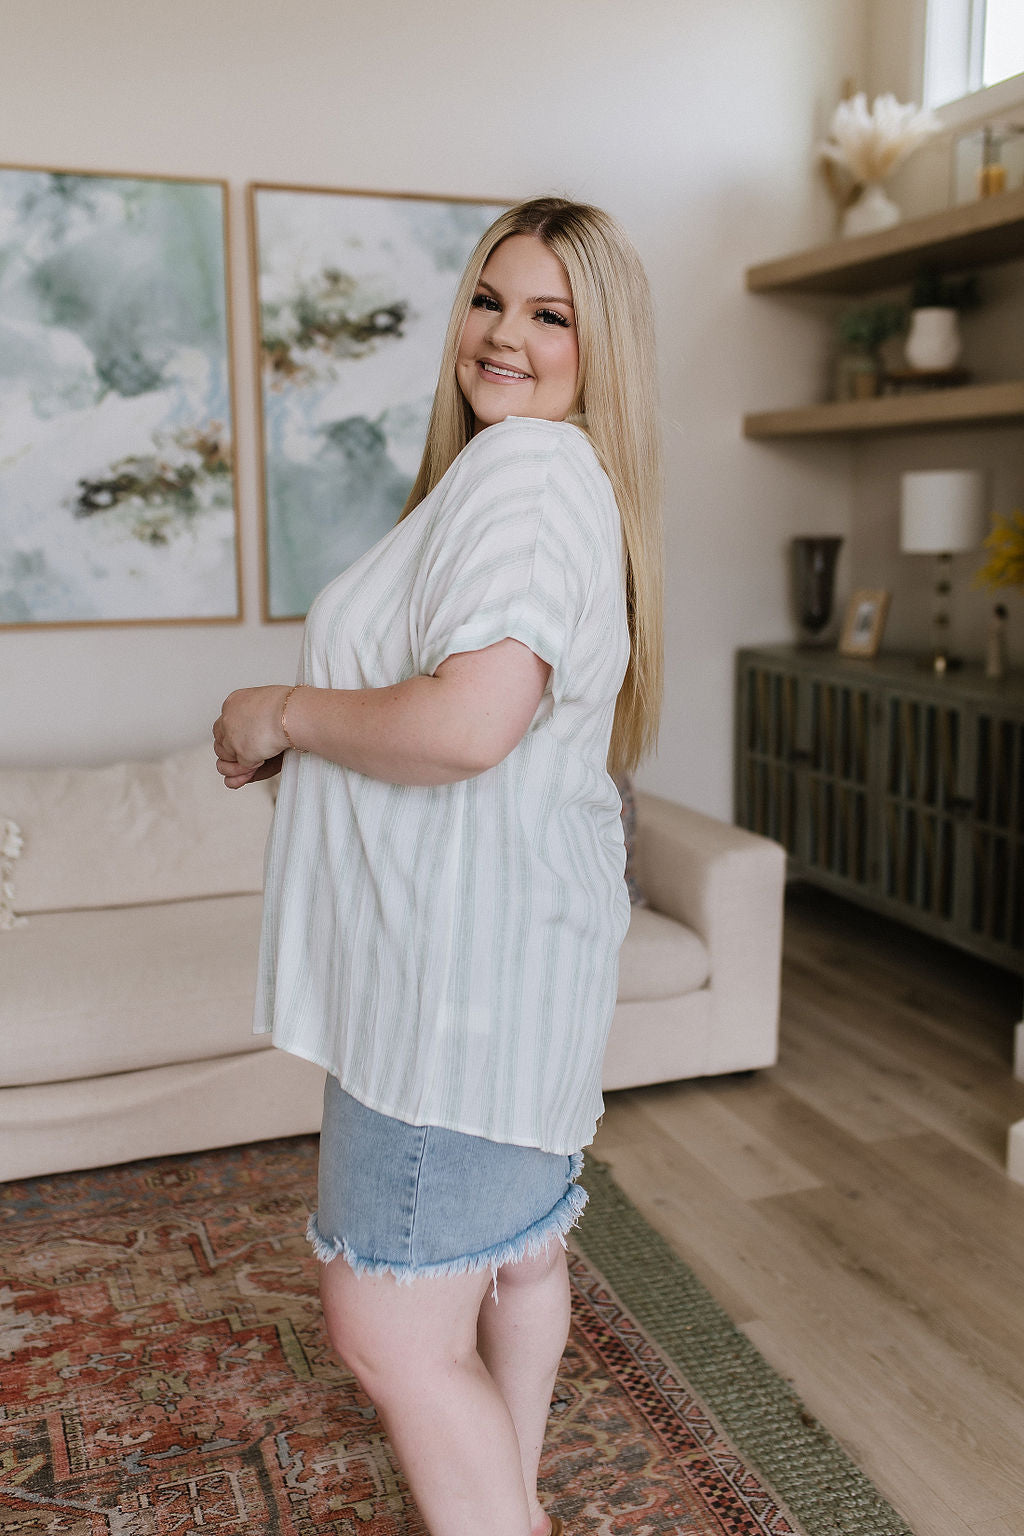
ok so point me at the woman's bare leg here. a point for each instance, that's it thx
(521, 1340)
(413, 1348)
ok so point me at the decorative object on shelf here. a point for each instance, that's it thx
(864, 624)
(942, 513)
(914, 381)
(1005, 565)
(936, 301)
(862, 332)
(992, 172)
(995, 644)
(117, 486)
(933, 340)
(814, 574)
(873, 210)
(1004, 568)
(869, 145)
(353, 291)
(987, 161)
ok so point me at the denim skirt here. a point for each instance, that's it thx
(412, 1200)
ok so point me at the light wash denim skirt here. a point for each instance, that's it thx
(417, 1200)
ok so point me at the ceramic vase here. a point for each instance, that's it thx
(873, 210)
(933, 341)
(814, 575)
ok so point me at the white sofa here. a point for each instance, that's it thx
(128, 955)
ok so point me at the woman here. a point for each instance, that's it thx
(445, 900)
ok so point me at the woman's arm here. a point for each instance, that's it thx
(428, 730)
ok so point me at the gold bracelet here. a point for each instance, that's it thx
(284, 728)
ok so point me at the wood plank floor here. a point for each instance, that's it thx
(850, 1211)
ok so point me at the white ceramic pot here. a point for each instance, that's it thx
(872, 210)
(933, 341)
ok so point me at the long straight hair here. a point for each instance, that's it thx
(615, 403)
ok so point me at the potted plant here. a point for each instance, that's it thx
(862, 332)
(933, 340)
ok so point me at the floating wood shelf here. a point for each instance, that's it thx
(972, 405)
(976, 234)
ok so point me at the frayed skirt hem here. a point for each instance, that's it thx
(526, 1244)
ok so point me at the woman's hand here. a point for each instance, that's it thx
(247, 737)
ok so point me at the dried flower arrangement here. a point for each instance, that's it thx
(871, 144)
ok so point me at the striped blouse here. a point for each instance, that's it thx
(450, 953)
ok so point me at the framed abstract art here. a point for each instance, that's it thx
(353, 292)
(117, 493)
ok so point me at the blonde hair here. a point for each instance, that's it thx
(615, 403)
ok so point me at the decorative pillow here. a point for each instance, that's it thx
(637, 894)
(10, 849)
(133, 833)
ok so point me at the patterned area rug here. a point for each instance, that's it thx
(164, 1369)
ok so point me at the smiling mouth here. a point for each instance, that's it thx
(503, 373)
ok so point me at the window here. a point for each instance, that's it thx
(969, 45)
(1003, 52)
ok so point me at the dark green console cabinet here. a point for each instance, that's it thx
(888, 785)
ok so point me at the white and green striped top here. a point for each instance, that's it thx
(451, 953)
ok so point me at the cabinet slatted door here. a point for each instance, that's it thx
(896, 788)
(997, 832)
(838, 780)
(767, 787)
(923, 754)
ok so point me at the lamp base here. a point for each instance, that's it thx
(939, 664)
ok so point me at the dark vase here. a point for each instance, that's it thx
(814, 575)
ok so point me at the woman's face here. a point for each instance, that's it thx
(519, 354)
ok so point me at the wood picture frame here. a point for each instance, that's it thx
(118, 500)
(352, 292)
(864, 622)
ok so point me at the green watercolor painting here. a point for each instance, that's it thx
(117, 497)
(354, 296)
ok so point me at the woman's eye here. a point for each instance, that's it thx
(551, 317)
(483, 301)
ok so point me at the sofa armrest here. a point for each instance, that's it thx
(728, 885)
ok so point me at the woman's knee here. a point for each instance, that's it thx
(389, 1335)
(358, 1334)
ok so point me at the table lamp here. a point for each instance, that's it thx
(943, 512)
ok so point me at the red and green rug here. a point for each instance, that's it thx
(164, 1372)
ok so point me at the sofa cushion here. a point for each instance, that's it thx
(86, 993)
(660, 958)
(133, 832)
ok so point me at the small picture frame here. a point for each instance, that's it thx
(864, 622)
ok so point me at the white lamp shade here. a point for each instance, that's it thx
(943, 511)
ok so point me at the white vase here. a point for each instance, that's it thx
(873, 210)
(933, 341)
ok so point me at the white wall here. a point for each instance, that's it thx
(693, 121)
(993, 350)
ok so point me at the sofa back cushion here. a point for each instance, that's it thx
(637, 894)
(133, 833)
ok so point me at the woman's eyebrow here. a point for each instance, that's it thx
(542, 298)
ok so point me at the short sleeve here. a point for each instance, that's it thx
(507, 560)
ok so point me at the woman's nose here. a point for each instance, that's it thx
(504, 331)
